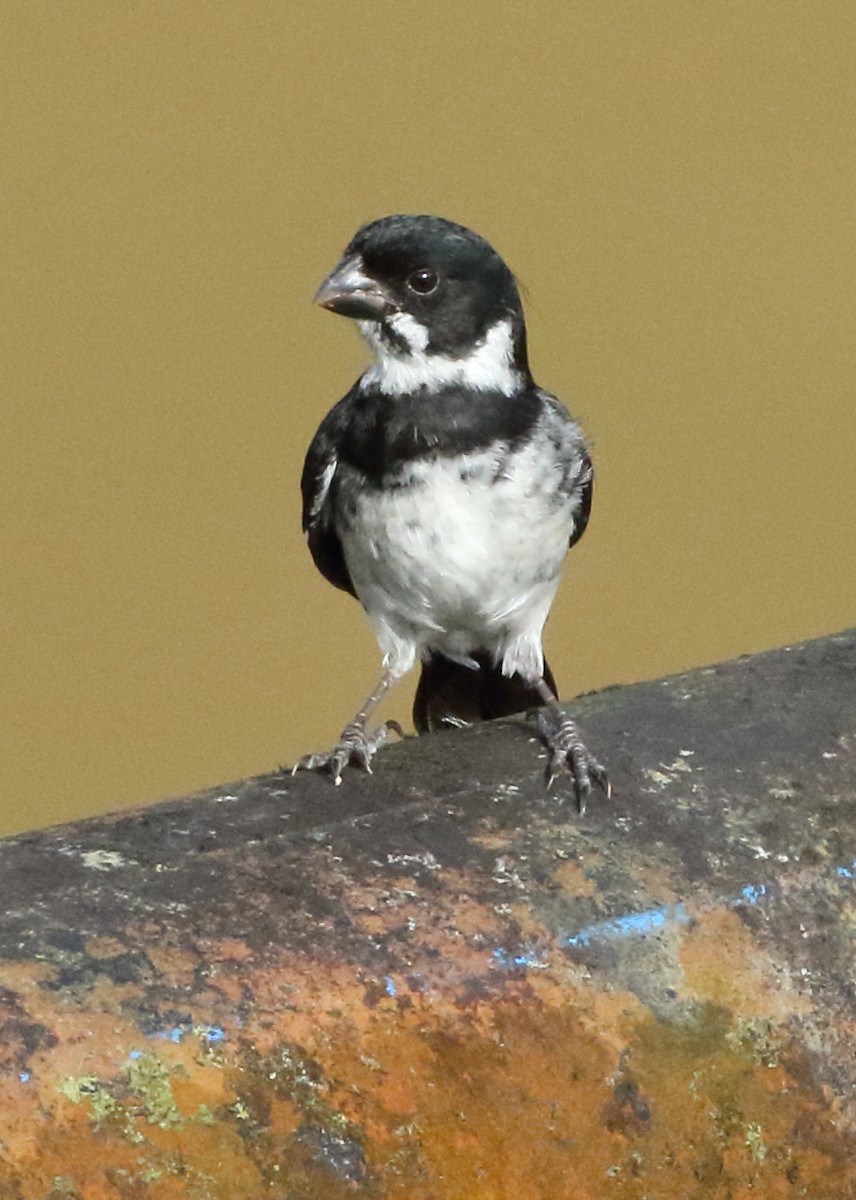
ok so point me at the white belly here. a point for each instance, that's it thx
(460, 560)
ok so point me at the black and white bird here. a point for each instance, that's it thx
(445, 489)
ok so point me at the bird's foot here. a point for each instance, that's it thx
(356, 745)
(567, 751)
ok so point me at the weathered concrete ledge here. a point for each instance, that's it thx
(439, 982)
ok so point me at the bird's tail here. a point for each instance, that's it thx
(450, 695)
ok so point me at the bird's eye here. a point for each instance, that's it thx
(423, 281)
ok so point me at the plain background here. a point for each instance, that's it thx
(674, 183)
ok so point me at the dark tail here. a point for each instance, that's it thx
(450, 695)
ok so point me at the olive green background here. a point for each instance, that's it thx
(674, 183)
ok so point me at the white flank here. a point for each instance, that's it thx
(489, 367)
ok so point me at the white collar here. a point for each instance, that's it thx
(489, 367)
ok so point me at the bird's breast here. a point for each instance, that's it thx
(457, 541)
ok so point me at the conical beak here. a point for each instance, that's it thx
(349, 291)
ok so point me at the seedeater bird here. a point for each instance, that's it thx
(445, 489)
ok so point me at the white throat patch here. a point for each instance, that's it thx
(489, 367)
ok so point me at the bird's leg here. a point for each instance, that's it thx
(355, 744)
(567, 749)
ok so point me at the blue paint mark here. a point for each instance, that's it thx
(521, 958)
(633, 925)
(640, 925)
(389, 984)
(24, 1076)
(210, 1033)
(170, 1035)
(136, 1054)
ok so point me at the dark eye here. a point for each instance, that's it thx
(423, 280)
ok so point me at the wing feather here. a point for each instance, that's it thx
(318, 487)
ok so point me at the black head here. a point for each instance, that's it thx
(426, 284)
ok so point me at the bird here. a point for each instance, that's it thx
(445, 489)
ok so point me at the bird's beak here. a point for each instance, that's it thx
(350, 292)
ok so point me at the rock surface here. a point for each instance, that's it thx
(440, 982)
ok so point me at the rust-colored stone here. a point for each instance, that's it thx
(438, 983)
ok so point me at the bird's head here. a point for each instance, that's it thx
(436, 303)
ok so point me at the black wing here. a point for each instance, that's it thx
(319, 488)
(586, 486)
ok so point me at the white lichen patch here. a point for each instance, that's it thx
(505, 789)
(668, 772)
(679, 764)
(425, 859)
(103, 860)
(503, 872)
(658, 777)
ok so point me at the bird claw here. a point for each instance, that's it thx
(568, 752)
(356, 745)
